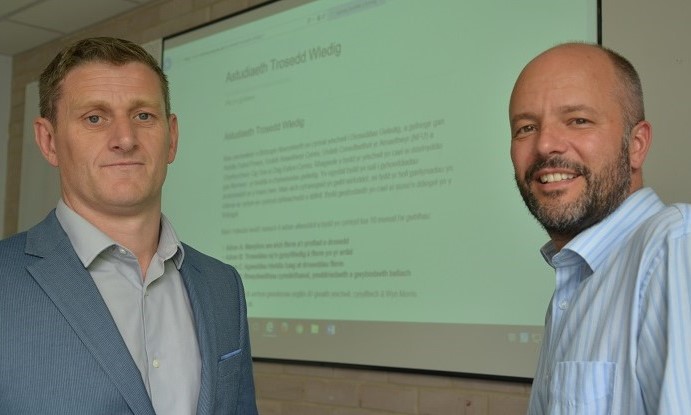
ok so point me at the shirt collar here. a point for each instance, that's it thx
(594, 244)
(88, 241)
(169, 245)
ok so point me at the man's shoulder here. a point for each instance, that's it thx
(673, 221)
(666, 232)
(11, 247)
(223, 278)
(13, 263)
(684, 210)
(47, 230)
(200, 259)
(13, 241)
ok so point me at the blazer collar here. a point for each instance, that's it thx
(201, 300)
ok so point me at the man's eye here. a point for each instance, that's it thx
(526, 129)
(144, 116)
(93, 119)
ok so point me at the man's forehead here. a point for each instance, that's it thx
(568, 60)
(567, 70)
(102, 66)
(101, 75)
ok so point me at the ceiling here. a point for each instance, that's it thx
(25, 24)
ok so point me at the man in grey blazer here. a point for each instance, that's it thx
(102, 309)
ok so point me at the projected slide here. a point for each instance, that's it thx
(350, 158)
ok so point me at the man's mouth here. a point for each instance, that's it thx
(555, 177)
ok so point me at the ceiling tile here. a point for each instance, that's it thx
(15, 37)
(81, 13)
(9, 6)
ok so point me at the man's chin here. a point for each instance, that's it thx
(564, 195)
(559, 216)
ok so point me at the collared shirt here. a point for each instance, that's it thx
(153, 314)
(618, 329)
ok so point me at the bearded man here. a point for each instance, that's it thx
(618, 327)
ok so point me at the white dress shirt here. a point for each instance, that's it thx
(618, 330)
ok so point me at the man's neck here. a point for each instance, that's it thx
(138, 232)
(139, 235)
(560, 241)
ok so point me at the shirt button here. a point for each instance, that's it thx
(156, 363)
(563, 304)
(122, 251)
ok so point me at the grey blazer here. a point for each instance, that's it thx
(61, 352)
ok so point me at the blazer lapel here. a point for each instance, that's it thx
(201, 302)
(69, 285)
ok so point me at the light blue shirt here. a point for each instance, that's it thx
(618, 328)
(152, 312)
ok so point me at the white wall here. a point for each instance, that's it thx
(656, 38)
(40, 185)
(5, 93)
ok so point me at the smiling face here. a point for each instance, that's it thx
(111, 139)
(574, 159)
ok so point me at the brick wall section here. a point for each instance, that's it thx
(295, 389)
(282, 389)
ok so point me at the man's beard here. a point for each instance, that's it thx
(604, 192)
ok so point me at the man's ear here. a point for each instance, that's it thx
(173, 132)
(641, 138)
(44, 134)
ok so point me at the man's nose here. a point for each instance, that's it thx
(123, 136)
(551, 140)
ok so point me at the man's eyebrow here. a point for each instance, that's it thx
(146, 103)
(104, 104)
(81, 108)
(523, 116)
(566, 109)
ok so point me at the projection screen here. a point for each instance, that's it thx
(351, 159)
